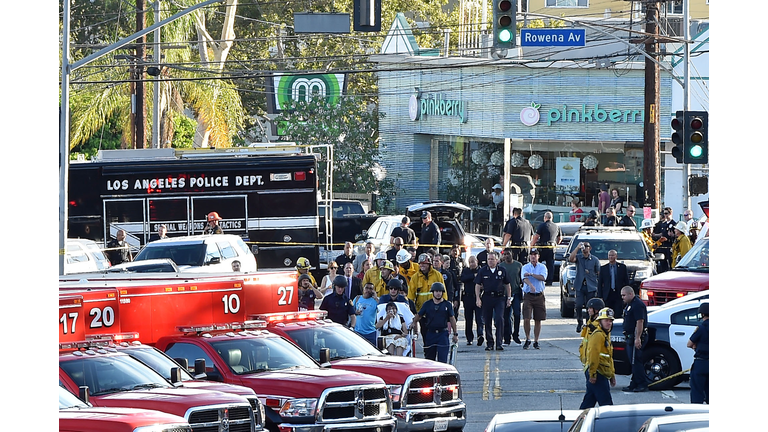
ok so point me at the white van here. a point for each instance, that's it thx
(84, 256)
(210, 253)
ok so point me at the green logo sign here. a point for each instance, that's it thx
(301, 87)
(593, 114)
(419, 107)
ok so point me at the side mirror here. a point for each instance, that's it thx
(200, 369)
(658, 257)
(214, 260)
(175, 375)
(325, 357)
(182, 362)
(84, 394)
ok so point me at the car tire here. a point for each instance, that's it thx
(567, 308)
(659, 363)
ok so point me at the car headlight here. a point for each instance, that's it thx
(570, 273)
(299, 408)
(394, 391)
(642, 274)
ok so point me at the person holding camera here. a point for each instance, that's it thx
(585, 283)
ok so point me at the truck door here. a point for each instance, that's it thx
(233, 209)
(127, 214)
(173, 212)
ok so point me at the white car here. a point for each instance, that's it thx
(666, 353)
(678, 422)
(538, 421)
(211, 253)
(629, 417)
(84, 256)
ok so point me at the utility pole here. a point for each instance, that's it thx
(140, 115)
(686, 95)
(156, 84)
(651, 153)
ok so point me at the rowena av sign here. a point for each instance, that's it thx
(553, 37)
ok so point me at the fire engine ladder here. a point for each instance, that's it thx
(325, 154)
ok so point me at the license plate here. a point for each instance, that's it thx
(618, 339)
(441, 425)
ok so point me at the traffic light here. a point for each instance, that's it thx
(504, 17)
(677, 135)
(696, 142)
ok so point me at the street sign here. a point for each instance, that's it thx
(553, 37)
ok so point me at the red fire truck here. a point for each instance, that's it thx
(426, 395)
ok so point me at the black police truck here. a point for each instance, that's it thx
(269, 198)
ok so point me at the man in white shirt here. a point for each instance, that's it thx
(534, 276)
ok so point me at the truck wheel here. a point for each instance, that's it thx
(567, 308)
(659, 363)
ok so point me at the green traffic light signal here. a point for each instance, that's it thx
(504, 20)
(695, 139)
(505, 36)
(695, 151)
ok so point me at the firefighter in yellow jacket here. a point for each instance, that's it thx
(594, 306)
(599, 362)
(682, 243)
(421, 282)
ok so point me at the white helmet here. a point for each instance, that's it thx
(402, 256)
(647, 223)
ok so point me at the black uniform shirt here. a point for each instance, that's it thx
(430, 234)
(468, 278)
(520, 229)
(404, 233)
(633, 312)
(437, 314)
(338, 306)
(548, 232)
(700, 337)
(492, 281)
(627, 221)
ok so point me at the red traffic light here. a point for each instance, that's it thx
(505, 6)
(696, 123)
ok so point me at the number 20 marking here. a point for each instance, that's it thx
(283, 292)
(108, 316)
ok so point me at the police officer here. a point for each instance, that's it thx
(338, 305)
(307, 293)
(547, 237)
(430, 233)
(699, 341)
(118, 249)
(599, 369)
(471, 311)
(494, 282)
(517, 234)
(635, 337)
(439, 320)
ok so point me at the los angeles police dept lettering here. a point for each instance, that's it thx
(183, 182)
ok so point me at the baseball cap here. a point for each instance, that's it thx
(426, 214)
(533, 251)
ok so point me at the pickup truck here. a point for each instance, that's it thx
(349, 220)
(298, 395)
(426, 395)
(108, 378)
(690, 275)
(78, 416)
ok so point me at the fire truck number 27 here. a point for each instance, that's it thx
(101, 318)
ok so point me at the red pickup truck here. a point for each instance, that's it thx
(78, 416)
(298, 395)
(691, 274)
(426, 395)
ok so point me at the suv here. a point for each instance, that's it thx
(626, 241)
(691, 274)
(202, 253)
(378, 233)
(446, 215)
(628, 417)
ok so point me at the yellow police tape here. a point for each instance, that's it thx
(669, 377)
(404, 246)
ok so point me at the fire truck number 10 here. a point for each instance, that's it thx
(101, 318)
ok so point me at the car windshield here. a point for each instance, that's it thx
(185, 254)
(697, 258)
(111, 374)
(625, 249)
(158, 362)
(261, 354)
(538, 426)
(341, 342)
(612, 424)
(68, 400)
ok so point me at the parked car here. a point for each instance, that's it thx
(666, 352)
(630, 246)
(628, 417)
(533, 421)
(84, 256)
(378, 233)
(349, 220)
(201, 253)
(677, 422)
(161, 265)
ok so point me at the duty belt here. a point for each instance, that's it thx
(496, 293)
(437, 330)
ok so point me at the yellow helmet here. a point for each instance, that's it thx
(302, 263)
(605, 313)
(388, 265)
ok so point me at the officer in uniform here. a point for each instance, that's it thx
(494, 282)
(518, 231)
(337, 304)
(430, 233)
(439, 320)
(699, 341)
(547, 237)
(635, 337)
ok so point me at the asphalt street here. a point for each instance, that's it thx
(549, 378)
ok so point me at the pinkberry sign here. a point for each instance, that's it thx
(530, 115)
